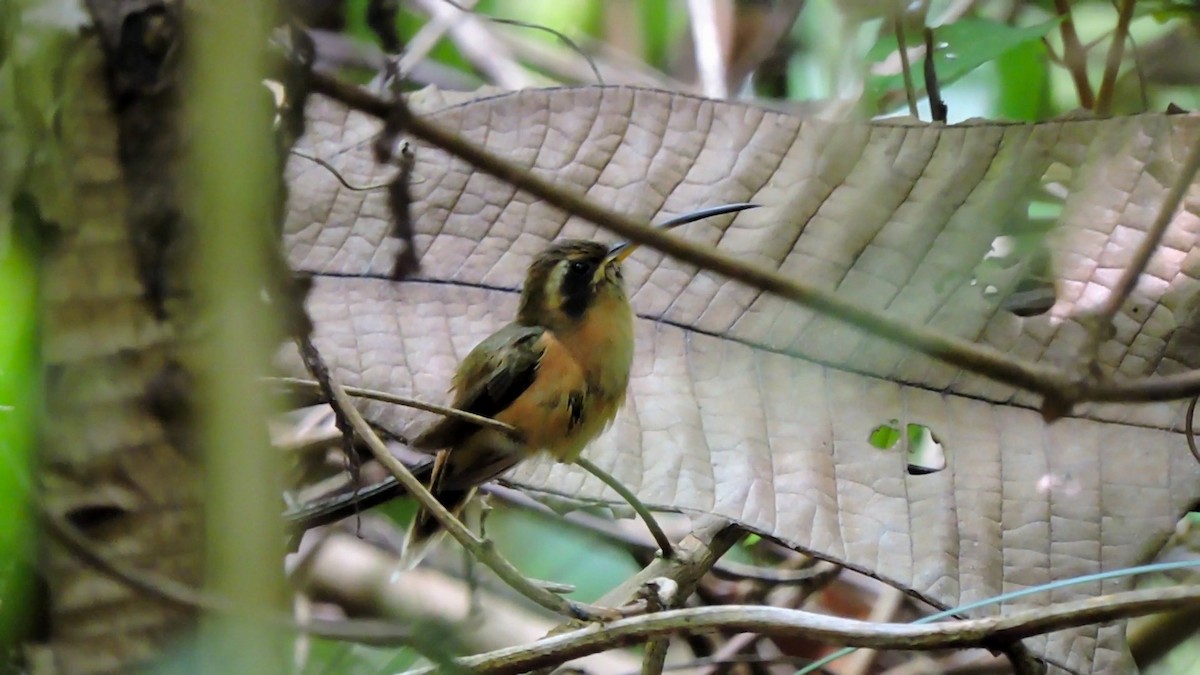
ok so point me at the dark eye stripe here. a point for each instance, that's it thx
(575, 288)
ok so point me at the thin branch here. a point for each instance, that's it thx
(1074, 56)
(1190, 431)
(933, 90)
(376, 395)
(910, 90)
(775, 621)
(1147, 247)
(1116, 52)
(480, 549)
(660, 537)
(953, 350)
(336, 174)
(1142, 389)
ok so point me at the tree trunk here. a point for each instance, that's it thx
(114, 458)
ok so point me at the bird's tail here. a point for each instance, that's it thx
(425, 530)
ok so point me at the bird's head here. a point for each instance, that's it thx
(572, 275)
(567, 278)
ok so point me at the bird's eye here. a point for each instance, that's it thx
(579, 267)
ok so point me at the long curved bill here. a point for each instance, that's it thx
(619, 252)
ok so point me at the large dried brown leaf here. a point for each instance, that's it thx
(759, 410)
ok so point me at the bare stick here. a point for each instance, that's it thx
(1116, 52)
(933, 91)
(1191, 428)
(1074, 56)
(905, 67)
(376, 395)
(660, 537)
(1147, 247)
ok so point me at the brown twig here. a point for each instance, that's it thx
(320, 372)
(336, 174)
(933, 90)
(660, 537)
(1074, 56)
(408, 402)
(400, 202)
(910, 90)
(1191, 431)
(775, 621)
(1141, 257)
(1116, 52)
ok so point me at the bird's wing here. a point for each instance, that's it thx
(492, 376)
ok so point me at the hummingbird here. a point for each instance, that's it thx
(557, 374)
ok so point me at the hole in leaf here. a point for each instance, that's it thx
(1031, 297)
(885, 436)
(925, 454)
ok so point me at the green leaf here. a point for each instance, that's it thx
(1024, 82)
(959, 48)
(885, 436)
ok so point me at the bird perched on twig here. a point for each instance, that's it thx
(557, 374)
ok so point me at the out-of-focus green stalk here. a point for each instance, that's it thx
(231, 196)
(18, 409)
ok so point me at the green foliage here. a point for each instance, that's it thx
(1024, 82)
(34, 46)
(959, 48)
(346, 658)
(18, 391)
